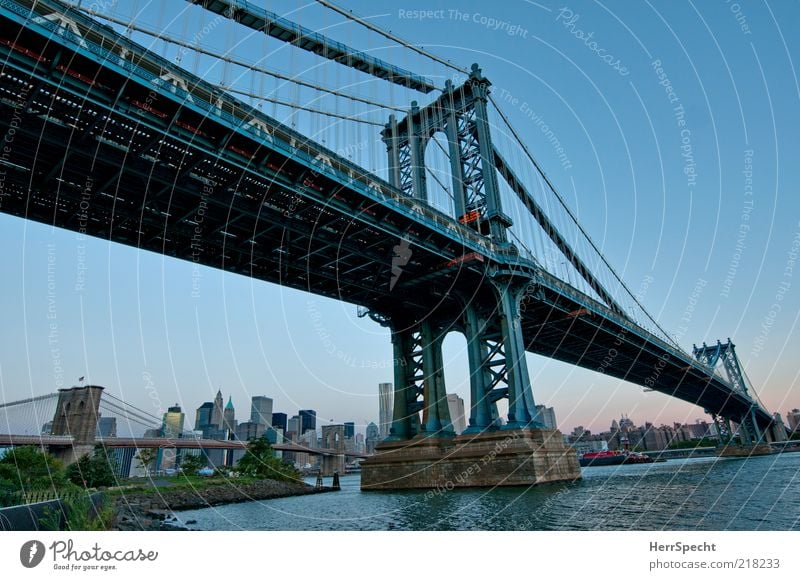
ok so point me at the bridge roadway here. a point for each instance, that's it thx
(162, 443)
(107, 139)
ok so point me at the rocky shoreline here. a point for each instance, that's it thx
(154, 510)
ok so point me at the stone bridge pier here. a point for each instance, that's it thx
(77, 413)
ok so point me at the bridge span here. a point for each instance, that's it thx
(113, 141)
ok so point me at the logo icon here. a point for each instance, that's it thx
(31, 553)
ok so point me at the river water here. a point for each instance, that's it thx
(760, 493)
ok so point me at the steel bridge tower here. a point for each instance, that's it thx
(489, 319)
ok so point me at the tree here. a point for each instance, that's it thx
(94, 470)
(28, 467)
(144, 457)
(259, 461)
(191, 464)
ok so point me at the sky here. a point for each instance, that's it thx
(677, 124)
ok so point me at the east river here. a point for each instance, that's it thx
(760, 493)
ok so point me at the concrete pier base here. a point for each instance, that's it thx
(495, 458)
(745, 450)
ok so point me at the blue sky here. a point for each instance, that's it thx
(658, 178)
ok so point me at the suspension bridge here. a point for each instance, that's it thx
(431, 217)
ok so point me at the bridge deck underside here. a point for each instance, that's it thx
(559, 326)
(135, 166)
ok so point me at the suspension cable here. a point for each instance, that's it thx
(571, 215)
(248, 65)
(386, 34)
(300, 107)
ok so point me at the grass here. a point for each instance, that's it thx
(177, 483)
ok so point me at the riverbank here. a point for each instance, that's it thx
(151, 507)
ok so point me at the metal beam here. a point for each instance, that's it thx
(273, 25)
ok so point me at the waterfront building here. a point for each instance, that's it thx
(793, 420)
(455, 406)
(547, 415)
(261, 410)
(308, 420)
(385, 402)
(279, 421)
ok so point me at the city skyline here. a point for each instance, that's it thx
(707, 258)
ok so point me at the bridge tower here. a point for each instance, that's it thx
(423, 451)
(723, 356)
(77, 413)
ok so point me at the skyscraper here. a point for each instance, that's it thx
(261, 411)
(293, 428)
(202, 418)
(349, 430)
(455, 405)
(172, 423)
(373, 437)
(279, 421)
(229, 416)
(547, 415)
(385, 402)
(308, 420)
(216, 413)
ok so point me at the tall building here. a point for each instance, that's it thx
(293, 428)
(455, 405)
(172, 423)
(106, 427)
(308, 420)
(229, 416)
(202, 418)
(216, 412)
(373, 437)
(279, 421)
(547, 415)
(349, 430)
(793, 419)
(261, 411)
(249, 430)
(385, 403)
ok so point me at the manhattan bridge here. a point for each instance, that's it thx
(427, 212)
